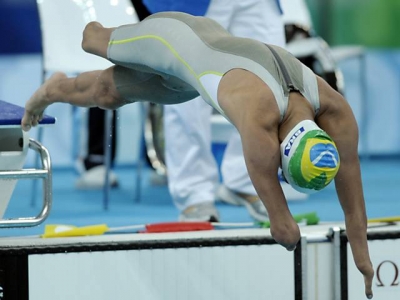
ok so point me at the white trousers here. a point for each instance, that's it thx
(193, 174)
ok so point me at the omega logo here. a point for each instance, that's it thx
(394, 282)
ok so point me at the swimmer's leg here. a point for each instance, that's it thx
(88, 89)
(96, 38)
(108, 89)
(134, 85)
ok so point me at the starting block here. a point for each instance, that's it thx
(14, 146)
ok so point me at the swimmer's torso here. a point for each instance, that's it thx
(198, 51)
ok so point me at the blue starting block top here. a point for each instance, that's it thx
(11, 115)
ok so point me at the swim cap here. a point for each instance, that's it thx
(309, 157)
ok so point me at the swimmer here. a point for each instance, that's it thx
(287, 116)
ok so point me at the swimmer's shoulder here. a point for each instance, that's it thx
(331, 101)
(243, 91)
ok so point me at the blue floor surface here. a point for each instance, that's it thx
(381, 178)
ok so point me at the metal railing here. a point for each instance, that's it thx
(45, 174)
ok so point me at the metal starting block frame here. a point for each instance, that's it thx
(14, 145)
(46, 174)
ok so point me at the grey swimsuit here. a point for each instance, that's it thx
(197, 51)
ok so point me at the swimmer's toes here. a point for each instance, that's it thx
(26, 123)
(34, 121)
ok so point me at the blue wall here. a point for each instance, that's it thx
(19, 27)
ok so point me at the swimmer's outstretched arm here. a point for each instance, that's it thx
(246, 105)
(341, 125)
(262, 155)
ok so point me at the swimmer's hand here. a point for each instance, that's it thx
(368, 273)
(357, 237)
(364, 265)
(39, 101)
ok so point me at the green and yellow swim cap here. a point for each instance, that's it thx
(310, 160)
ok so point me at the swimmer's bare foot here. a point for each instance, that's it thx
(36, 105)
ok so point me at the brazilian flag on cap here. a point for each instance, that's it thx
(312, 161)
